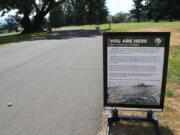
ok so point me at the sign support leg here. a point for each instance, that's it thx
(153, 118)
(114, 117)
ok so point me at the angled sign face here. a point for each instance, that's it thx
(109, 18)
(135, 69)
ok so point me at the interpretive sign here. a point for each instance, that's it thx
(135, 69)
(109, 18)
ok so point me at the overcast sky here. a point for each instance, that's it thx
(116, 6)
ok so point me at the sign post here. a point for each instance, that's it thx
(109, 18)
(135, 70)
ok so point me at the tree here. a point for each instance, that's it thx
(170, 9)
(96, 11)
(80, 12)
(56, 17)
(102, 11)
(77, 12)
(11, 24)
(137, 11)
(120, 17)
(1, 28)
(162, 9)
(155, 10)
(29, 7)
(88, 11)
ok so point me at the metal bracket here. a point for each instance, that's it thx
(114, 117)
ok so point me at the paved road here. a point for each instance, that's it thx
(54, 83)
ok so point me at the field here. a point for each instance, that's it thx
(122, 27)
(170, 119)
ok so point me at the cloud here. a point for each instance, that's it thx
(116, 6)
(12, 12)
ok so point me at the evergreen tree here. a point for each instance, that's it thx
(56, 17)
(96, 11)
(137, 11)
(102, 11)
(162, 9)
(79, 12)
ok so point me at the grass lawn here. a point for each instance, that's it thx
(174, 65)
(171, 116)
(17, 37)
(123, 27)
(92, 27)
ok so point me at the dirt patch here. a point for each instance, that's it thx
(173, 86)
(134, 127)
(175, 33)
(176, 88)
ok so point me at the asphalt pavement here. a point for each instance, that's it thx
(54, 83)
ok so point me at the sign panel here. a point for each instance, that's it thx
(109, 18)
(135, 68)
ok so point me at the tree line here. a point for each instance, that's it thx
(79, 12)
(62, 12)
(156, 10)
(31, 14)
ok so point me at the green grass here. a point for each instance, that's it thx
(174, 65)
(121, 27)
(124, 27)
(17, 37)
(92, 27)
(170, 93)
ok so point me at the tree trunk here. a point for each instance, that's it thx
(156, 19)
(170, 19)
(35, 26)
(138, 19)
(37, 23)
(26, 24)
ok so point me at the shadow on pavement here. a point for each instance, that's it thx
(67, 34)
(134, 127)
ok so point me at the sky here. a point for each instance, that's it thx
(114, 7)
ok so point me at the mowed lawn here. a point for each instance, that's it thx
(18, 37)
(170, 119)
(124, 27)
(121, 27)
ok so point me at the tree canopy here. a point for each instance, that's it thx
(163, 9)
(137, 11)
(64, 12)
(120, 17)
(38, 9)
(79, 12)
(156, 10)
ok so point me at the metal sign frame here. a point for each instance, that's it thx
(166, 35)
